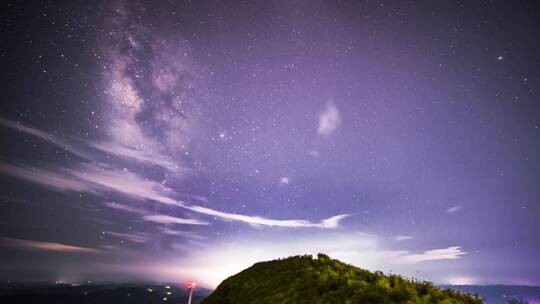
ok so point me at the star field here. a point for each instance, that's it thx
(164, 140)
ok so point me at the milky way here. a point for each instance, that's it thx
(166, 141)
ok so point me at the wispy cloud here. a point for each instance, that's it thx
(329, 120)
(329, 223)
(141, 151)
(166, 219)
(96, 177)
(47, 178)
(125, 182)
(454, 209)
(187, 234)
(99, 179)
(44, 136)
(450, 253)
(135, 237)
(403, 237)
(142, 154)
(46, 246)
(124, 207)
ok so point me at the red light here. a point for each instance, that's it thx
(191, 285)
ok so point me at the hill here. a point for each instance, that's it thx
(303, 279)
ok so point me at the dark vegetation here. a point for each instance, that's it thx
(303, 279)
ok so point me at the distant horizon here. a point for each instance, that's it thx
(179, 283)
(172, 283)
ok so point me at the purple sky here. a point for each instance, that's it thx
(171, 141)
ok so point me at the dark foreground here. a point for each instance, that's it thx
(499, 294)
(96, 294)
(139, 293)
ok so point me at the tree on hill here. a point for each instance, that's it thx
(303, 279)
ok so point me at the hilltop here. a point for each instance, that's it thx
(304, 279)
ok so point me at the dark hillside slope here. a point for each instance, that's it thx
(303, 279)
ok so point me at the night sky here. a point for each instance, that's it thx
(165, 141)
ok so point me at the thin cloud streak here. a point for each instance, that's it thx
(329, 223)
(90, 178)
(135, 237)
(126, 208)
(143, 154)
(45, 246)
(166, 219)
(186, 234)
(450, 253)
(47, 178)
(97, 178)
(454, 209)
(403, 237)
(44, 136)
(125, 182)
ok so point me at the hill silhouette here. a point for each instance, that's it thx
(304, 279)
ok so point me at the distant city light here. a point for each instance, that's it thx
(190, 286)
